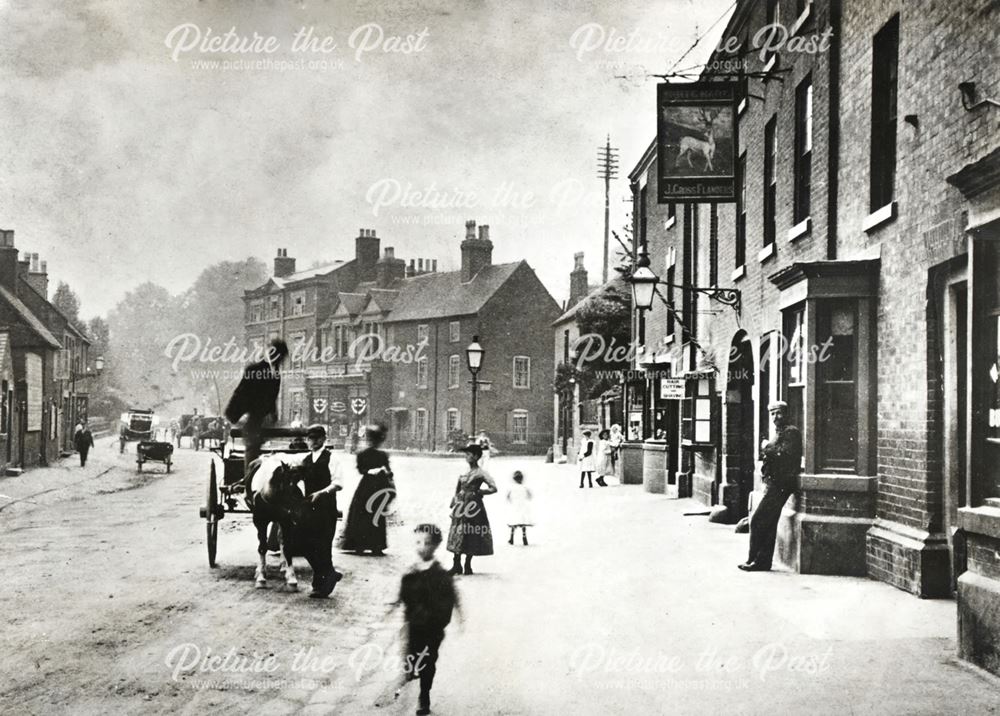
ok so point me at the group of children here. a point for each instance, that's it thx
(600, 457)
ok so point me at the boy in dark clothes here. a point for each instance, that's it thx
(428, 596)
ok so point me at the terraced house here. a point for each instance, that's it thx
(868, 222)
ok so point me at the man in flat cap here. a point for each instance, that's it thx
(322, 481)
(782, 457)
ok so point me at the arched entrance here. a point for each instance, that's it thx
(739, 445)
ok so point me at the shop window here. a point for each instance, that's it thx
(700, 412)
(836, 391)
(794, 363)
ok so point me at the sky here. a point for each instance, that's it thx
(138, 143)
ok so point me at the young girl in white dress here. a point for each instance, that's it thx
(519, 506)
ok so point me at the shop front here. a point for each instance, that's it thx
(340, 403)
(979, 519)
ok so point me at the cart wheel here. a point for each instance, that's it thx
(212, 515)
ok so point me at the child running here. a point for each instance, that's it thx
(428, 596)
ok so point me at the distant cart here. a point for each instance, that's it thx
(136, 424)
(154, 451)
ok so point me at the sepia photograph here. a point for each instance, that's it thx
(500, 358)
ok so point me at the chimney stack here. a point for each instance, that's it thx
(411, 270)
(366, 250)
(38, 275)
(283, 265)
(477, 253)
(389, 269)
(8, 261)
(578, 286)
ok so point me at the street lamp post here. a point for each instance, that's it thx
(474, 356)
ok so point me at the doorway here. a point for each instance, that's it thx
(953, 301)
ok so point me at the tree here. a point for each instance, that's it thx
(67, 301)
(605, 335)
(212, 310)
(140, 327)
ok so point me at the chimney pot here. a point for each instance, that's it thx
(420, 265)
(484, 232)
(470, 229)
(434, 265)
(390, 252)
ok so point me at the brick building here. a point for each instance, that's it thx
(39, 399)
(511, 312)
(376, 338)
(315, 308)
(868, 222)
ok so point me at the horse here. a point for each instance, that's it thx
(274, 497)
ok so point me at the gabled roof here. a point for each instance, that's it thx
(437, 295)
(616, 282)
(382, 299)
(29, 318)
(353, 303)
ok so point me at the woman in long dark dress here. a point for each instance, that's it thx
(365, 526)
(470, 532)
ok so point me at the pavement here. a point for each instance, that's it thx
(620, 604)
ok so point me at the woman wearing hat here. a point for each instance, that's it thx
(365, 526)
(470, 532)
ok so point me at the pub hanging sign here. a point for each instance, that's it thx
(696, 142)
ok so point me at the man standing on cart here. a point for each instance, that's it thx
(255, 401)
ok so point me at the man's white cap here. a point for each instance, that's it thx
(777, 405)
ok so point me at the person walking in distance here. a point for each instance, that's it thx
(782, 457)
(83, 440)
(255, 400)
(585, 459)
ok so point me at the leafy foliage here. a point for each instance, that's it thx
(67, 301)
